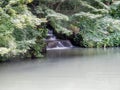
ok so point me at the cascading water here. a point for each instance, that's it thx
(54, 43)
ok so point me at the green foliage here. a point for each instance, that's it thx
(19, 30)
(115, 9)
(4, 53)
(97, 31)
(93, 23)
(69, 7)
(59, 21)
(91, 20)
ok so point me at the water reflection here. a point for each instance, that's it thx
(84, 52)
(69, 69)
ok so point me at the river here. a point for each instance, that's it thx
(69, 69)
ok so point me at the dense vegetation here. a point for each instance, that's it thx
(20, 31)
(86, 23)
(94, 23)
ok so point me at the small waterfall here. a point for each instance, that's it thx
(59, 44)
(54, 43)
(50, 35)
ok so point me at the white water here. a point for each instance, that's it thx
(55, 43)
(58, 48)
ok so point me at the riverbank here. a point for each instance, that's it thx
(84, 23)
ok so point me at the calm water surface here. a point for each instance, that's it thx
(70, 69)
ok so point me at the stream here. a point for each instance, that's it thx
(66, 69)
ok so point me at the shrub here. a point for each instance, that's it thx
(19, 30)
